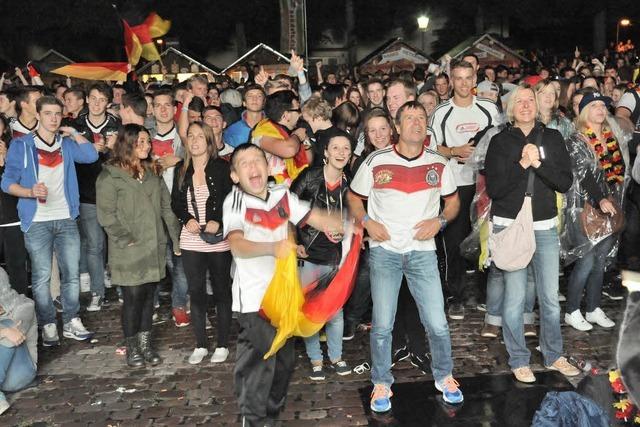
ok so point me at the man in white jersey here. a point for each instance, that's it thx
(453, 125)
(403, 185)
(27, 121)
(40, 171)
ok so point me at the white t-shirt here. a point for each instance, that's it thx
(161, 145)
(260, 221)
(401, 192)
(18, 129)
(628, 101)
(454, 126)
(51, 174)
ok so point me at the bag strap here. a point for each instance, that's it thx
(538, 142)
(193, 204)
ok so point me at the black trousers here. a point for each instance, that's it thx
(195, 266)
(15, 257)
(456, 231)
(137, 308)
(629, 252)
(408, 329)
(261, 385)
(360, 300)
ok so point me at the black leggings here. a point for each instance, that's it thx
(137, 308)
(195, 269)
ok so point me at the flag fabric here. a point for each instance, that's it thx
(152, 27)
(114, 71)
(132, 44)
(294, 312)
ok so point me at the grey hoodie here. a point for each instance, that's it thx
(17, 307)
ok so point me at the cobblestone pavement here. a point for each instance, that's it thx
(89, 384)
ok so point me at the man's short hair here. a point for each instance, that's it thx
(373, 82)
(461, 64)
(278, 103)
(179, 86)
(408, 86)
(77, 91)
(501, 69)
(196, 104)
(331, 93)
(23, 96)
(137, 102)
(253, 87)
(162, 92)
(409, 105)
(442, 76)
(241, 148)
(197, 78)
(103, 89)
(317, 107)
(48, 100)
(472, 55)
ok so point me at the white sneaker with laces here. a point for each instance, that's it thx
(96, 303)
(85, 282)
(220, 355)
(50, 335)
(600, 318)
(198, 354)
(74, 329)
(578, 322)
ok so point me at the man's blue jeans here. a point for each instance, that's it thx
(421, 270)
(40, 240)
(17, 369)
(546, 264)
(495, 296)
(93, 247)
(179, 286)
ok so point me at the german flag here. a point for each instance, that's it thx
(132, 44)
(152, 27)
(115, 71)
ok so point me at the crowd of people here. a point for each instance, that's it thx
(208, 181)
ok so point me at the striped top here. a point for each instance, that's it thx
(193, 242)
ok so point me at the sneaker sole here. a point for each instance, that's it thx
(342, 374)
(317, 378)
(456, 317)
(94, 308)
(381, 410)
(450, 402)
(50, 343)
(75, 337)
(349, 338)
(181, 325)
(552, 368)
(613, 297)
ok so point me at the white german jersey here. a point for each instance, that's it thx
(453, 126)
(401, 192)
(260, 221)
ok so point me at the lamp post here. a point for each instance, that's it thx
(423, 23)
(624, 22)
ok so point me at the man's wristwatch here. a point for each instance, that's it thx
(443, 222)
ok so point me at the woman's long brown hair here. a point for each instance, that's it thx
(124, 152)
(212, 148)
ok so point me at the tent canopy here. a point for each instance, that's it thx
(273, 61)
(489, 50)
(394, 55)
(178, 64)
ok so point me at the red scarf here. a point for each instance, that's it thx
(609, 155)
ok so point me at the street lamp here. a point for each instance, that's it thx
(423, 23)
(624, 22)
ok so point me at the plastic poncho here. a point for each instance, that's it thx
(574, 243)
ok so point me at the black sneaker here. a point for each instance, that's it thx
(456, 311)
(349, 331)
(423, 362)
(399, 355)
(316, 373)
(471, 302)
(614, 293)
(341, 368)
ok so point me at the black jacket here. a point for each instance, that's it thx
(88, 173)
(219, 183)
(507, 180)
(8, 206)
(310, 186)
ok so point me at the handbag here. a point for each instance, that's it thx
(512, 248)
(210, 238)
(597, 225)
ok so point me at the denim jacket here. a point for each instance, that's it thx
(21, 167)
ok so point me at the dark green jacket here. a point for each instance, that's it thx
(135, 216)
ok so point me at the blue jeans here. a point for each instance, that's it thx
(421, 270)
(17, 369)
(40, 240)
(334, 328)
(92, 247)
(588, 272)
(495, 296)
(179, 286)
(546, 264)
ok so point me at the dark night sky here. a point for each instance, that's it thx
(89, 30)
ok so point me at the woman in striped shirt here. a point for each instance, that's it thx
(200, 186)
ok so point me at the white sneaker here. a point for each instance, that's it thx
(96, 303)
(220, 355)
(50, 335)
(597, 316)
(74, 329)
(561, 298)
(576, 320)
(198, 354)
(85, 282)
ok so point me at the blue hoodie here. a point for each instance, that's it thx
(21, 167)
